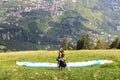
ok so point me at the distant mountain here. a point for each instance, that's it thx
(41, 24)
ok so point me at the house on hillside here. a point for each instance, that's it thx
(74, 0)
(118, 28)
(4, 0)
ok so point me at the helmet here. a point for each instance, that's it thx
(61, 49)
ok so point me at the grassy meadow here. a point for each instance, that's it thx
(10, 71)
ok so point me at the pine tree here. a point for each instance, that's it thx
(79, 45)
(100, 44)
(116, 43)
(83, 43)
(64, 43)
(119, 46)
(67, 44)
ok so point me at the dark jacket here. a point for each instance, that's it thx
(61, 55)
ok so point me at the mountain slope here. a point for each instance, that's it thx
(42, 25)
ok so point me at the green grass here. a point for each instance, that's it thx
(84, 8)
(10, 71)
(2, 12)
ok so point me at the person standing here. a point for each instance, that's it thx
(61, 57)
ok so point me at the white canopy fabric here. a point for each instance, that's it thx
(69, 65)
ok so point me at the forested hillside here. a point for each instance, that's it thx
(43, 24)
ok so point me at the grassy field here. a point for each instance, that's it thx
(10, 71)
(2, 12)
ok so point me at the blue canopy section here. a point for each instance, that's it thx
(69, 65)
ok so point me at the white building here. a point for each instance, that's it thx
(74, 0)
(118, 28)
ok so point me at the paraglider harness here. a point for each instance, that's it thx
(61, 60)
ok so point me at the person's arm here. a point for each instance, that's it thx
(63, 54)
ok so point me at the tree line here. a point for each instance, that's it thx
(86, 43)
